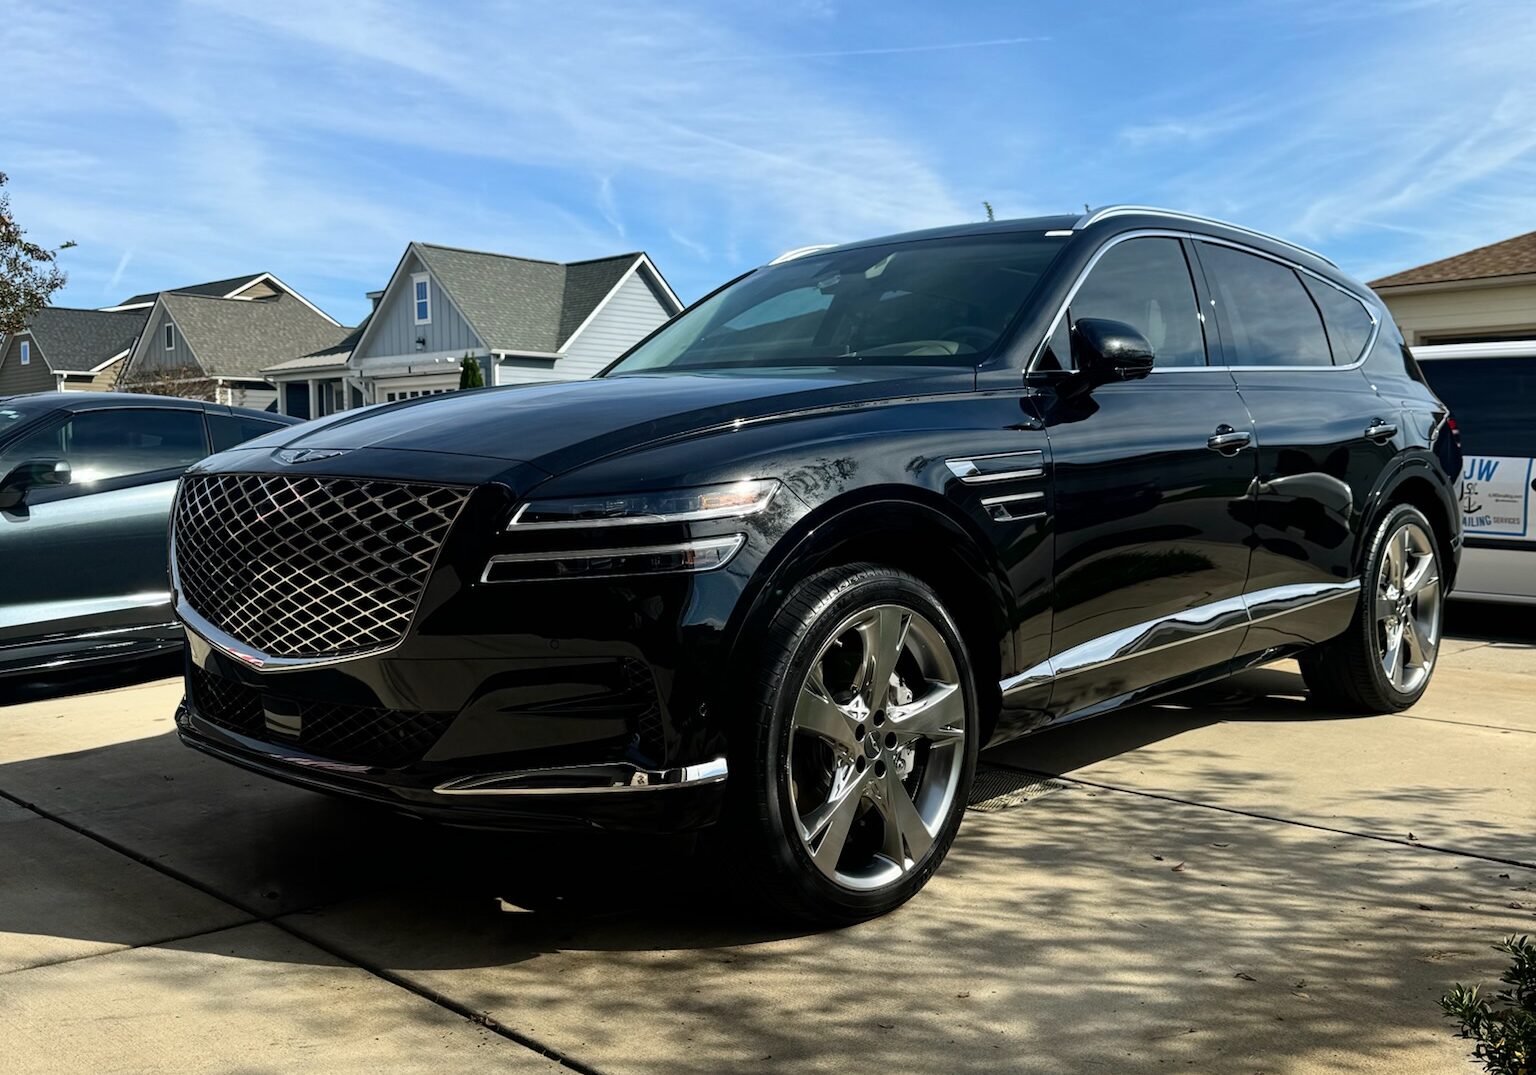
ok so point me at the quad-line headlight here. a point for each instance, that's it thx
(730, 501)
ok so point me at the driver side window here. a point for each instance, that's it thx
(1145, 283)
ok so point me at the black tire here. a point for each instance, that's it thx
(1347, 672)
(763, 820)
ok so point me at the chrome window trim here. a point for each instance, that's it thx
(620, 777)
(1104, 212)
(732, 541)
(1194, 237)
(1193, 624)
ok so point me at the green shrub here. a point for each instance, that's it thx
(470, 375)
(1504, 1036)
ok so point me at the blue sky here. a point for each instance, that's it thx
(187, 141)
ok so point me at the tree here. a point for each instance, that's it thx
(188, 382)
(988, 207)
(28, 275)
(470, 375)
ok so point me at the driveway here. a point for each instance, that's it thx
(1228, 881)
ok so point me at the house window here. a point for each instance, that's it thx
(170, 336)
(26, 353)
(421, 295)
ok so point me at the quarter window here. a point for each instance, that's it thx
(1348, 322)
(1268, 316)
(116, 443)
(230, 430)
(422, 297)
(1146, 284)
(26, 353)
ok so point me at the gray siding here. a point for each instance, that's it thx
(393, 330)
(629, 316)
(16, 379)
(152, 353)
(527, 370)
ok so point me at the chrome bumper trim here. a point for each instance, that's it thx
(586, 780)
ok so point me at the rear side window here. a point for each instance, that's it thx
(1146, 284)
(1492, 400)
(1349, 324)
(227, 431)
(1268, 316)
(116, 443)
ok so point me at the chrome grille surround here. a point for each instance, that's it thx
(307, 567)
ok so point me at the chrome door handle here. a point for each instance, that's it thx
(1229, 441)
(1380, 430)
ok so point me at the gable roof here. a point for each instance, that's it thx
(1512, 257)
(79, 341)
(525, 305)
(234, 338)
(217, 289)
(333, 356)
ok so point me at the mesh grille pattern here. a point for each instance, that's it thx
(308, 567)
(362, 735)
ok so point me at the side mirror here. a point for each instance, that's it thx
(30, 475)
(1106, 351)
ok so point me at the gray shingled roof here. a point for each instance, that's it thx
(333, 356)
(216, 289)
(236, 338)
(79, 340)
(520, 304)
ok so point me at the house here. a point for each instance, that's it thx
(68, 350)
(319, 383)
(1481, 296)
(523, 319)
(212, 341)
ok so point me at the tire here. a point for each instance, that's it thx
(814, 816)
(1401, 597)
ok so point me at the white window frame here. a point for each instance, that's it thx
(425, 281)
(26, 352)
(170, 336)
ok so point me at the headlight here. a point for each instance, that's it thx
(668, 506)
(684, 558)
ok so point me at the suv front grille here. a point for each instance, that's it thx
(308, 567)
(361, 735)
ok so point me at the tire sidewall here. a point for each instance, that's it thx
(846, 596)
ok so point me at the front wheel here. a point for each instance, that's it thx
(1383, 662)
(860, 761)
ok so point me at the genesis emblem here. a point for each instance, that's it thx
(306, 455)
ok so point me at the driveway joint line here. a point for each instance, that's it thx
(120, 949)
(1277, 820)
(1466, 723)
(276, 921)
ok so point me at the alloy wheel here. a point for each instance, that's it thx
(876, 746)
(1408, 608)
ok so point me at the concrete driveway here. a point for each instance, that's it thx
(1231, 881)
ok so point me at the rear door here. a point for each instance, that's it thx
(1293, 342)
(1493, 400)
(91, 555)
(1151, 553)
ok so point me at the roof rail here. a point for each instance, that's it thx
(800, 252)
(1093, 216)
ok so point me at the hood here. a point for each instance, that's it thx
(560, 425)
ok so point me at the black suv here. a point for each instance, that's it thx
(792, 559)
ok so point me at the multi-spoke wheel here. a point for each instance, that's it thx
(1384, 661)
(866, 747)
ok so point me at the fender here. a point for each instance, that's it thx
(1411, 464)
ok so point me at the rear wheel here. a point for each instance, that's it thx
(1383, 662)
(863, 753)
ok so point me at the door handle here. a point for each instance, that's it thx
(1380, 430)
(1228, 441)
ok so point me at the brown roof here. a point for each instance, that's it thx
(1512, 257)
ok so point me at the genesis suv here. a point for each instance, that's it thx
(790, 561)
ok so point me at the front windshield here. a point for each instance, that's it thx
(926, 302)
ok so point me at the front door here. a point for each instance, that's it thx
(91, 555)
(1149, 481)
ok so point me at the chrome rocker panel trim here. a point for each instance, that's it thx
(599, 779)
(1202, 621)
